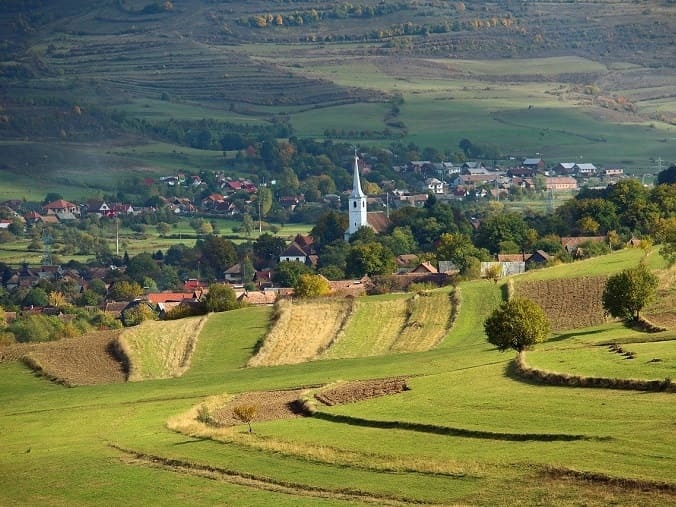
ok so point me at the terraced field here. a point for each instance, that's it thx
(460, 430)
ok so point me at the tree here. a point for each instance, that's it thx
(99, 286)
(517, 324)
(135, 315)
(369, 259)
(458, 249)
(247, 224)
(163, 228)
(668, 176)
(268, 247)
(58, 299)
(288, 273)
(245, 413)
(504, 226)
(221, 298)
(36, 297)
(217, 254)
(124, 291)
(309, 286)
(330, 227)
(627, 292)
(265, 198)
(494, 272)
(141, 266)
(51, 197)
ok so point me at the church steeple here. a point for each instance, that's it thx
(356, 184)
(356, 204)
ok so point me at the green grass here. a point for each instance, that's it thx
(604, 265)
(585, 352)
(56, 452)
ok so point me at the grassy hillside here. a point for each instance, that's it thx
(464, 433)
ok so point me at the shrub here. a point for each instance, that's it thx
(204, 415)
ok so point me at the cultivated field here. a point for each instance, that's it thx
(465, 431)
(302, 331)
(570, 303)
(160, 349)
(84, 360)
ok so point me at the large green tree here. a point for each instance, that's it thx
(141, 266)
(267, 249)
(517, 324)
(288, 273)
(330, 227)
(501, 227)
(369, 259)
(221, 298)
(627, 292)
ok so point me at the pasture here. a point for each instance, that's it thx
(466, 432)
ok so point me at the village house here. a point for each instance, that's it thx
(293, 253)
(585, 169)
(571, 244)
(61, 206)
(537, 164)
(434, 185)
(564, 168)
(560, 183)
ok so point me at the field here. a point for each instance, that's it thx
(16, 252)
(465, 431)
(158, 350)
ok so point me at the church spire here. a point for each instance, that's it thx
(356, 184)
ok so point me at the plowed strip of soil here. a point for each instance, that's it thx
(84, 360)
(285, 404)
(362, 390)
(271, 405)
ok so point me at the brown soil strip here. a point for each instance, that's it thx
(271, 405)
(85, 360)
(285, 404)
(262, 482)
(362, 390)
(16, 351)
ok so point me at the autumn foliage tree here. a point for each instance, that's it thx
(310, 285)
(517, 324)
(246, 414)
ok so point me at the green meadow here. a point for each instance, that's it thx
(467, 431)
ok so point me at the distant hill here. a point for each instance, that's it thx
(79, 72)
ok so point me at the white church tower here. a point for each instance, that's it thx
(357, 203)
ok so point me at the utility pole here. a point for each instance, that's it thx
(117, 237)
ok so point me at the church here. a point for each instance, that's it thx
(358, 215)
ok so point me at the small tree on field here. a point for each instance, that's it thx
(626, 293)
(517, 324)
(246, 413)
(493, 272)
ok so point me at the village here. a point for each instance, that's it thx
(253, 279)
